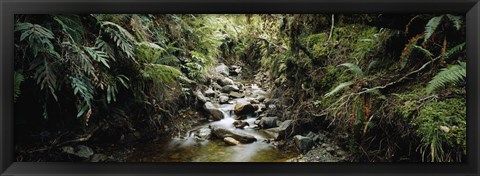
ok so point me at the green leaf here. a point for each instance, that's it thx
(340, 87)
(432, 26)
(354, 68)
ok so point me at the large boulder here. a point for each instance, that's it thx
(282, 131)
(230, 88)
(225, 81)
(242, 138)
(223, 99)
(222, 69)
(214, 112)
(240, 124)
(268, 122)
(235, 70)
(200, 96)
(243, 109)
(303, 143)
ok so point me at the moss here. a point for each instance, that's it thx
(442, 127)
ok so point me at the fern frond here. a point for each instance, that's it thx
(447, 76)
(162, 73)
(71, 25)
(340, 87)
(98, 55)
(82, 87)
(45, 75)
(121, 37)
(456, 20)
(423, 50)
(432, 26)
(18, 78)
(354, 68)
(37, 37)
(455, 49)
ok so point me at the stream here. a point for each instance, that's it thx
(190, 147)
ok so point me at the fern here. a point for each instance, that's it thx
(98, 55)
(121, 36)
(38, 38)
(18, 78)
(71, 25)
(455, 50)
(432, 26)
(82, 87)
(456, 20)
(447, 76)
(340, 87)
(354, 68)
(45, 75)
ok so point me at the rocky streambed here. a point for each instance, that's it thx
(238, 128)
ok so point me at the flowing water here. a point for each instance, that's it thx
(189, 148)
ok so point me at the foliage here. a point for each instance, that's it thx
(442, 127)
(18, 78)
(453, 74)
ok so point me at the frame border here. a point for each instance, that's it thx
(10, 7)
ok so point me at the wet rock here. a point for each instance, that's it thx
(268, 122)
(231, 141)
(236, 95)
(216, 86)
(240, 117)
(242, 138)
(223, 99)
(225, 81)
(235, 70)
(303, 143)
(314, 137)
(200, 96)
(254, 101)
(240, 124)
(222, 69)
(214, 112)
(99, 158)
(229, 88)
(203, 133)
(209, 92)
(243, 109)
(280, 132)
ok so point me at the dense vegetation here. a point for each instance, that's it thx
(388, 92)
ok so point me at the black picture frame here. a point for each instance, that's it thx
(471, 8)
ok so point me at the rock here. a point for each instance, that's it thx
(254, 101)
(268, 122)
(209, 92)
(235, 70)
(341, 153)
(214, 112)
(231, 141)
(84, 151)
(229, 88)
(282, 131)
(216, 86)
(261, 98)
(240, 117)
(330, 149)
(243, 109)
(225, 81)
(240, 124)
(236, 95)
(203, 133)
(223, 99)
(303, 143)
(242, 138)
(222, 69)
(99, 158)
(200, 96)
